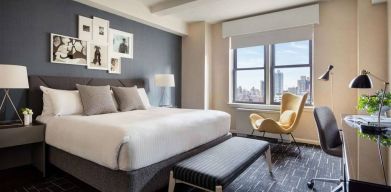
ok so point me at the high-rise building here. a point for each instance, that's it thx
(303, 84)
(279, 83)
(262, 89)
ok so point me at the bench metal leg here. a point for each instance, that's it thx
(171, 185)
(219, 189)
(269, 159)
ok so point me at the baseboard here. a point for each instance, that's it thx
(308, 141)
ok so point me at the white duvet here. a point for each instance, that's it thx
(135, 139)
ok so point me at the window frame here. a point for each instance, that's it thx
(268, 70)
(235, 69)
(273, 66)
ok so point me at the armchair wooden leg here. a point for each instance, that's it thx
(295, 142)
(252, 133)
(282, 140)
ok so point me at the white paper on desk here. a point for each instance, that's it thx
(384, 121)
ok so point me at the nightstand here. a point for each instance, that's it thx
(34, 135)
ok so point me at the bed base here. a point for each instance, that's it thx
(151, 178)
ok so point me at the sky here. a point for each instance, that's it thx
(285, 54)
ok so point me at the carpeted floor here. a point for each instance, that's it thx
(291, 172)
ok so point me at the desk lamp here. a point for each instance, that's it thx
(12, 77)
(164, 81)
(326, 77)
(363, 81)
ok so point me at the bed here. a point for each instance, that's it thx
(136, 152)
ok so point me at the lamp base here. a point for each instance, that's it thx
(7, 96)
(10, 123)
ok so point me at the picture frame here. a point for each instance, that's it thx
(100, 31)
(85, 28)
(98, 57)
(115, 65)
(120, 43)
(68, 50)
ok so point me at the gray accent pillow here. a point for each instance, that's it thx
(96, 99)
(128, 98)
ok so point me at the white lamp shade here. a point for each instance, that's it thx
(164, 80)
(13, 77)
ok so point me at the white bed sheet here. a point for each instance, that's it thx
(135, 139)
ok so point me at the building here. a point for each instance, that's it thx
(279, 83)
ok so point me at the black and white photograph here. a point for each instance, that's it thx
(68, 50)
(100, 31)
(121, 43)
(115, 65)
(98, 57)
(85, 28)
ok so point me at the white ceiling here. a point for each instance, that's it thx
(213, 11)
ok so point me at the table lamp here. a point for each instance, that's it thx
(12, 77)
(164, 81)
(326, 77)
(363, 81)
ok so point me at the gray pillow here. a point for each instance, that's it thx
(96, 99)
(128, 98)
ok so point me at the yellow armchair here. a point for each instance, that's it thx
(290, 113)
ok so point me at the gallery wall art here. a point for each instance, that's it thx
(98, 57)
(100, 30)
(85, 28)
(68, 50)
(115, 65)
(97, 46)
(121, 43)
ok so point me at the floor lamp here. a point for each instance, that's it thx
(164, 81)
(12, 77)
(363, 81)
(328, 75)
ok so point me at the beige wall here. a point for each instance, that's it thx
(340, 39)
(372, 56)
(193, 66)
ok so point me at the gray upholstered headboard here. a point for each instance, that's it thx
(69, 83)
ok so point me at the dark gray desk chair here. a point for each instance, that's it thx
(330, 140)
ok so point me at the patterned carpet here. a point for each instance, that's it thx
(291, 172)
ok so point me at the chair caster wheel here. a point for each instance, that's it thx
(310, 185)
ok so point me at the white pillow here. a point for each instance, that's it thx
(62, 102)
(47, 104)
(144, 98)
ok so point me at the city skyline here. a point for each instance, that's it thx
(256, 94)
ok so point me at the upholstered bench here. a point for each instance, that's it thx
(215, 168)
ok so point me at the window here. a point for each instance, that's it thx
(288, 69)
(249, 73)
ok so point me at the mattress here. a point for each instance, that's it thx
(134, 139)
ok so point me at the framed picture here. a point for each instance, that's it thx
(98, 57)
(115, 65)
(121, 44)
(68, 50)
(85, 28)
(100, 31)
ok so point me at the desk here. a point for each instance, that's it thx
(361, 160)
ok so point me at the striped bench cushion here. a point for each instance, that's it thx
(221, 164)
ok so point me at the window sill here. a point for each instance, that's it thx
(262, 107)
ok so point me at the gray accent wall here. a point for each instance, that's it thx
(25, 27)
